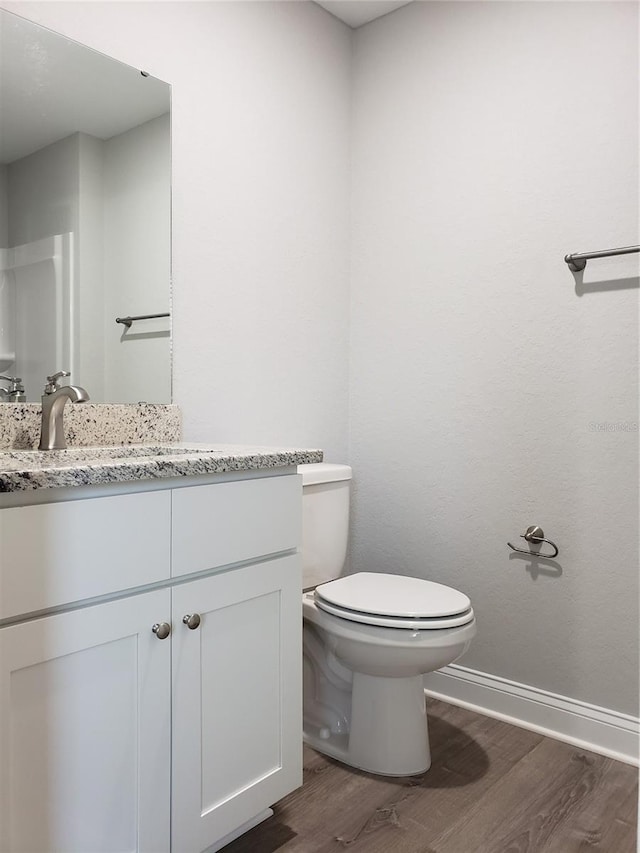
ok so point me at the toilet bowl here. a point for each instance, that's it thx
(369, 638)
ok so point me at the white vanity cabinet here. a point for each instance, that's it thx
(113, 737)
(85, 701)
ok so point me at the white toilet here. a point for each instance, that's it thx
(368, 640)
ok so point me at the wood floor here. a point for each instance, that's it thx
(492, 788)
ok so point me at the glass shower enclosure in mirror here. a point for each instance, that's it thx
(85, 206)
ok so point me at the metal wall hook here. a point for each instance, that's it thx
(535, 534)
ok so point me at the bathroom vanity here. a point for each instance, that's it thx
(150, 646)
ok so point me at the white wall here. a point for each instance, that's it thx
(490, 139)
(89, 280)
(43, 192)
(260, 116)
(137, 262)
(43, 201)
(4, 209)
(56, 190)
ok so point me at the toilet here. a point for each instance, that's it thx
(368, 640)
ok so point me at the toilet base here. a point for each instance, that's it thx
(388, 732)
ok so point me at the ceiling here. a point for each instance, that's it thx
(51, 87)
(355, 13)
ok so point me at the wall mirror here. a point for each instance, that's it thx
(85, 228)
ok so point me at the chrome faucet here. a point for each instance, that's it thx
(15, 393)
(54, 399)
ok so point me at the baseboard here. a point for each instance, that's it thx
(586, 726)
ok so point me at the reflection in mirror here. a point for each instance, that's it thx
(84, 219)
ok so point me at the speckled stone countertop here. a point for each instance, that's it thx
(23, 470)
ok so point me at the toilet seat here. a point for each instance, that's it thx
(394, 601)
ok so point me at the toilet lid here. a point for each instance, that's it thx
(394, 601)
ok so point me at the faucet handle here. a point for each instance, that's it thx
(52, 381)
(15, 393)
(12, 379)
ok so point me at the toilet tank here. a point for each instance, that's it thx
(325, 521)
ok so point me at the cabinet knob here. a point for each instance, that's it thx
(161, 630)
(191, 620)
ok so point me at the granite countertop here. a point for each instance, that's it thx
(23, 470)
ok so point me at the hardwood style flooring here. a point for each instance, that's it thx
(492, 788)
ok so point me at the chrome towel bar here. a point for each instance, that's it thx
(578, 260)
(127, 321)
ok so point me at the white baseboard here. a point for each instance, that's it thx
(586, 726)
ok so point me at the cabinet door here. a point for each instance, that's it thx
(85, 730)
(237, 719)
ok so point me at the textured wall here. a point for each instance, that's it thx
(489, 140)
(260, 132)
